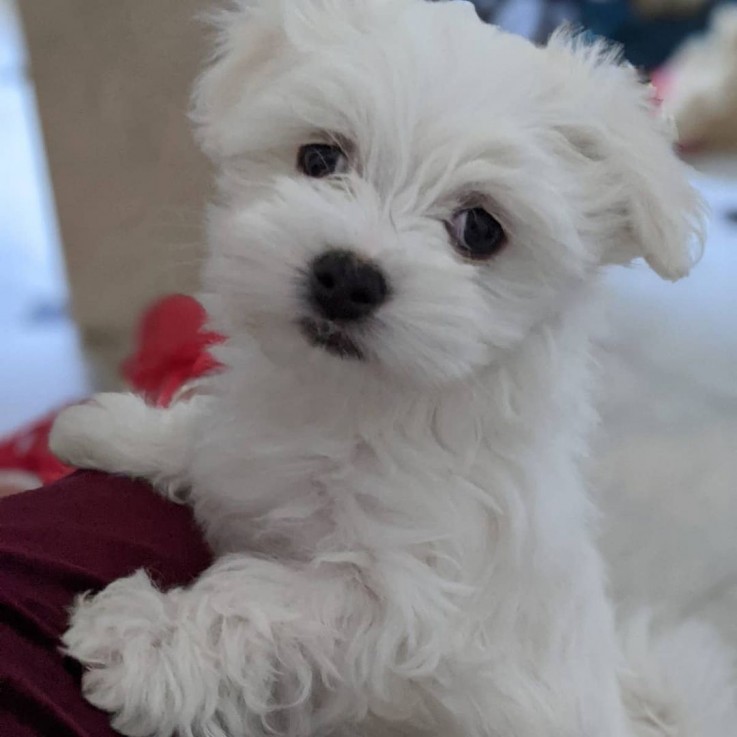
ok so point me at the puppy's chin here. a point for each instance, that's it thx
(306, 343)
(331, 338)
(321, 352)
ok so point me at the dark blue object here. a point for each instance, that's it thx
(646, 42)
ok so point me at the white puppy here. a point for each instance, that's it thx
(413, 210)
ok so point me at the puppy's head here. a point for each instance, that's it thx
(408, 188)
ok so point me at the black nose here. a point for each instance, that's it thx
(344, 287)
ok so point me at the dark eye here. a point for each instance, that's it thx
(319, 160)
(476, 234)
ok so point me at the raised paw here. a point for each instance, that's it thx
(97, 433)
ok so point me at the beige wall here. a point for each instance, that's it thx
(112, 80)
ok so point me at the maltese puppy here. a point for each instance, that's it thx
(413, 208)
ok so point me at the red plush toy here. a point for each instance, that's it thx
(171, 352)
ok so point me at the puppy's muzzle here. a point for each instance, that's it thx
(345, 288)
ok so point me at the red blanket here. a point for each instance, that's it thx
(76, 535)
(171, 350)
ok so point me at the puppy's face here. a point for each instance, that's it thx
(406, 188)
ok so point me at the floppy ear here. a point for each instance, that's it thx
(647, 205)
(248, 36)
(255, 41)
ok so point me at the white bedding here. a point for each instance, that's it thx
(666, 462)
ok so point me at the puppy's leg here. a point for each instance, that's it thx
(247, 650)
(120, 433)
(524, 699)
(259, 648)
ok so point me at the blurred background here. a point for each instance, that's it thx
(101, 199)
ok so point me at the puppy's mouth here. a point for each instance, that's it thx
(327, 335)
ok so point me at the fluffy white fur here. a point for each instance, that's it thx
(406, 545)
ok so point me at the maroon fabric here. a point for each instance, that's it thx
(76, 535)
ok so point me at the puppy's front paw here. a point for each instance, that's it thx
(94, 434)
(120, 636)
